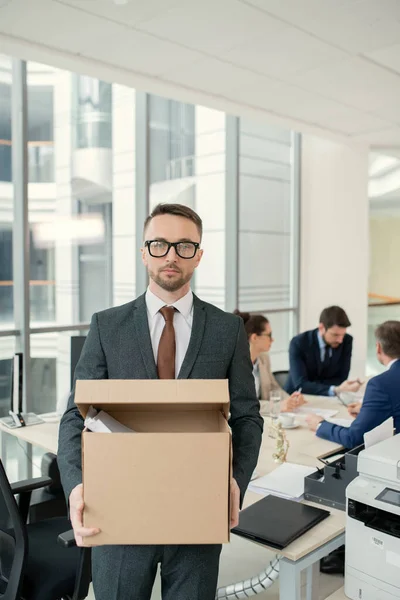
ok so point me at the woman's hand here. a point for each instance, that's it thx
(294, 401)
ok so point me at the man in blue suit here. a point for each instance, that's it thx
(382, 396)
(320, 359)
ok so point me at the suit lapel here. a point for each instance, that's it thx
(143, 335)
(196, 337)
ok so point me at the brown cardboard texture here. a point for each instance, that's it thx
(168, 482)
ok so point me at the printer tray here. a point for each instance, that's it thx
(277, 522)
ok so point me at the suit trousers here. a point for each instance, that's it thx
(128, 572)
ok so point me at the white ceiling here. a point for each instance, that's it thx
(327, 66)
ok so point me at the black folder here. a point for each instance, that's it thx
(277, 522)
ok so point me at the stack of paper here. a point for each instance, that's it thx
(380, 433)
(102, 422)
(286, 481)
(341, 422)
(326, 413)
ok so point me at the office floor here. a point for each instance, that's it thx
(241, 560)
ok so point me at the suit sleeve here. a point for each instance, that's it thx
(245, 420)
(345, 363)
(91, 365)
(375, 409)
(299, 375)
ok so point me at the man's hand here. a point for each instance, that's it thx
(235, 503)
(293, 402)
(76, 505)
(313, 421)
(349, 386)
(354, 408)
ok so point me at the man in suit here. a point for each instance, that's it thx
(320, 359)
(382, 396)
(167, 333)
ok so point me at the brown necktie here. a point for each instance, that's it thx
(166, 347)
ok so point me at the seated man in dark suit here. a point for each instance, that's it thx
(382, 396)
(320, 359)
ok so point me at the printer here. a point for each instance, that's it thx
(373, 524)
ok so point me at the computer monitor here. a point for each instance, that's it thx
(77, 342)
(16, 383)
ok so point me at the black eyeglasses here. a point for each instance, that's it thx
(266, 335)
(160, 248)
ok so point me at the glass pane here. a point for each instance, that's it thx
(265, 217)
(282, 325)
(81, 195)
(6, 196)
(51, 370)
(376, 316)
(187, 166)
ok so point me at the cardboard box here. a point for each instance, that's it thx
(168, 483)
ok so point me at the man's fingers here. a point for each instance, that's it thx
(86, 531)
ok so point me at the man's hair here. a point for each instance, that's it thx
(334, 316)
(178, 210)
(388, 335)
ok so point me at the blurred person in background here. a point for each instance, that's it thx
(259, 334)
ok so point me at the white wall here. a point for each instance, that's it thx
(335, 237)
(385, 252)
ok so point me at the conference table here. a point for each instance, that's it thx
(305, 449)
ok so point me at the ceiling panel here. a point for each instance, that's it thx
(142, 53)
(43, 24)
(354, 82)
(211, 26)
(287, 51)
(216, 77)
(131, 13)
(388, 57)
(359, 26)
(386, 137)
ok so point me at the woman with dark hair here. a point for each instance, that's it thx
(259, 334)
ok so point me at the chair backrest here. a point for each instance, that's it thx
(281, 377)
(13, 542)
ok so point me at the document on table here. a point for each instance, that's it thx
(326, 413)
(380, 433)
(341, 422)
(286, 481)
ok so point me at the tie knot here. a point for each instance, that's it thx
(168, 313)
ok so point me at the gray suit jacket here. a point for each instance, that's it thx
(118, 346)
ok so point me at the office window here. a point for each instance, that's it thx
(268, 242)
(6, 196)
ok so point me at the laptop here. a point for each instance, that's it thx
(277, 522)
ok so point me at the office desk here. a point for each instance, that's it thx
(305, 448)
(44, 435)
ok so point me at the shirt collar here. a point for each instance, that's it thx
(321, 342)
(183, 305)
(391, 363)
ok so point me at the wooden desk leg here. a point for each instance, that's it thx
(289, 580)
(312, 579)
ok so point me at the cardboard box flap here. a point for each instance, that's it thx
(142, 394)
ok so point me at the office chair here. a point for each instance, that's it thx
(34, 565)
(49, 501)
(281, 377)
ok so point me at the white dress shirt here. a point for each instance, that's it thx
(183, 320)
(391, 363)
(256, 375)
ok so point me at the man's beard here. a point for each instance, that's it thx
(169, 285)
(333, 345)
